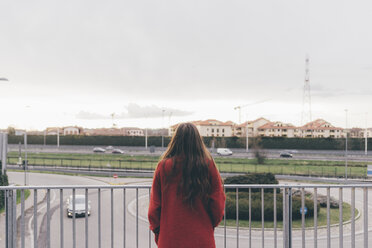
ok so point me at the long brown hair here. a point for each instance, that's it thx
(187, 144)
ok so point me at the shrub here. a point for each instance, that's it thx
(3, 182)
(268, 206)
(253, 178)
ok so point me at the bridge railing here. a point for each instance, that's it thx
(255, 216)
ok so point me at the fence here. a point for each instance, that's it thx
(118, 217)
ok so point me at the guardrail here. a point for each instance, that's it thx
(118, 216)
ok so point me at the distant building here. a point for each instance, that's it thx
(357, 132)
(53, 131)
(210, 128)
(72, 130)
(104, 132)
(252, 126)
(133, 131)
(278, 129)
(320, 129)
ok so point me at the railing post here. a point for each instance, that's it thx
(287, 218)
(6, 194)
(290, 218)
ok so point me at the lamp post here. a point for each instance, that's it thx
(162, 127)
(346, 144)
(366, 138)
(3, 143)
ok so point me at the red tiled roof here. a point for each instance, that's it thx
(319, 125)
(272, 125)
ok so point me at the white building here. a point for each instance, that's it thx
(210, 128)
(278, 129)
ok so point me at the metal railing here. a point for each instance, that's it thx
(118, 216)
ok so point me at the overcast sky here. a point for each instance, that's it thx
(153, 63)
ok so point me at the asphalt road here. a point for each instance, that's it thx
(118, 220)
(241, 153)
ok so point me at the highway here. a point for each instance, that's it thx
(336, 155)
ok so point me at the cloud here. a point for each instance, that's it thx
(135, 111)
(153, 111)
(321, 91)
(90, 116)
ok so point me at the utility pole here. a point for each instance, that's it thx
(346, 145)
(26, 163)
(162, 127)
(366, 137)
(306, 98)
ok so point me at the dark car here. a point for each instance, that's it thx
(286, 155)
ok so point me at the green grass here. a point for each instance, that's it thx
(237, 165)
(309, 222)
(27, 194)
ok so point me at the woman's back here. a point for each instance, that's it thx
(187, 197)
(182, 225)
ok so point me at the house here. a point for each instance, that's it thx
(104, 132)
(252, 126)
(53, 130)
(72, 130)
(320, 129)
(278, 129)
(133, 131)
(210, 128)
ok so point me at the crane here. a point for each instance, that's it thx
(246, 105)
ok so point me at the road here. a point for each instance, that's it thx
(50, 179)
(241, 153)
(130, 220)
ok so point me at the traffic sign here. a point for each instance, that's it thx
(304, 209)
(369, 170)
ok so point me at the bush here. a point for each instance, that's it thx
(268, 206)
(3, 182)
(253, 178)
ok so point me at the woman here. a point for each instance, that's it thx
(187, 197)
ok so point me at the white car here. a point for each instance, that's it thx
(224, 152)
(99, 149)
(79, 206)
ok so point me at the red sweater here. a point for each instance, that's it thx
(174, 223)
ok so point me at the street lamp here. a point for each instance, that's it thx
(346, 144)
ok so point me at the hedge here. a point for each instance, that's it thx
(254, 178)
(268, 206)
(3, 182)
(243, 194)
(216, 142)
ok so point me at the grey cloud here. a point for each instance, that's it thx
(153, 111)
(321, 91)
(135, 111)
(90, 116)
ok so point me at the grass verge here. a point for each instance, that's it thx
(309, 222)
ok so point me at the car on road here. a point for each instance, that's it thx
(79, 206)
(224, 152)
(286, 154)
(117, 151)
(108, 148)
(99, 149)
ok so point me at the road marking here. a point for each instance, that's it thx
(31, 231)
